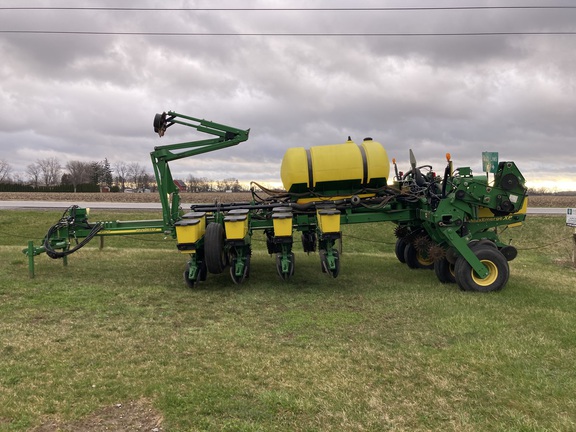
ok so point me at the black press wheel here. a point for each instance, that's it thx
(444, 271)
(399, 249)
(496, 264)
(214, 254)
(416, 259)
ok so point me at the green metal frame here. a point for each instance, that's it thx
(75, 223)
(226, 136)
(449, 212)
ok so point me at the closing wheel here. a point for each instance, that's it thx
(417, 259)
(201, 275)
(239, 278)
(444, 271)
(330, 265)
(214, 254)
(495, 262)
(399, 249)
(285, 269)
(189, 282)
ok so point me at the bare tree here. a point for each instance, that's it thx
(137, 174)
(50, 170)
(17, 178)
(229, 184)
(198, 184)
(33, 170)
(121, 169)
(78, 172)
(5, 170)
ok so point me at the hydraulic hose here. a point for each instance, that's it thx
(66, 222)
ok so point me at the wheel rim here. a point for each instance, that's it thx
(452, 270)
(492, 274)
(423, 261)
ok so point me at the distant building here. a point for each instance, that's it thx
(180, 185)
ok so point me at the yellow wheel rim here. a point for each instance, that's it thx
(492, 274)
(424, 261)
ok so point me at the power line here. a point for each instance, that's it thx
(360, 9)
(110, 33)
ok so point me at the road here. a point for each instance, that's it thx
(63, 205)
(92, 205)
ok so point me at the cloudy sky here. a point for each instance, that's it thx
(407, 78)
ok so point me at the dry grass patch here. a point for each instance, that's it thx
(137, 415)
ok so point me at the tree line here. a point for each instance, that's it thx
(203, 184)
(50, 175)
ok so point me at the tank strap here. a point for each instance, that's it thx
(364, 165)
(310, 170)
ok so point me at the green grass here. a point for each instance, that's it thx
(381, 347)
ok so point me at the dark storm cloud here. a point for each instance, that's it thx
(84, 97)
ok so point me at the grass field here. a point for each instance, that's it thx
(115, 341)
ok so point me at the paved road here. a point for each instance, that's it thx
(546, 210)
(92, 205)
(157, 206)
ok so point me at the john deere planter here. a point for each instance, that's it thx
(448, 223)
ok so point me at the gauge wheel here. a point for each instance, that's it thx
(399, 249)
(214, 254)
(481, 243)
(416, 259)
(444, 271)
(497, 266)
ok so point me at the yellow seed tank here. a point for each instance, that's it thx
(338, 169)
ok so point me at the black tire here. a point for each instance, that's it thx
(415, 259)
(497, 265)
(444, 271)
(214, 254)
(510, 252)
(159, 122)
(203, 273)
(399, 249)
(481, 243)
(452, 255)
